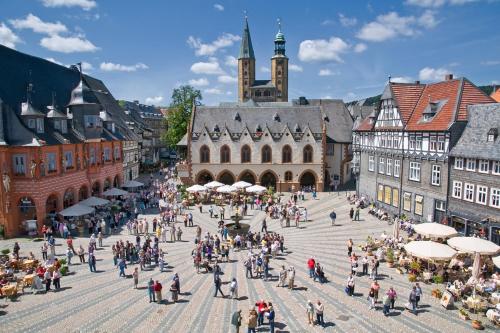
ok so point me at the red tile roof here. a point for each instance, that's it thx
(471, 95)
(406, 96)
(365, 126)
(496, 95)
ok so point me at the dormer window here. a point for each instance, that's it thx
(57, 124)
(297, 129)
(258, 129)
(216, 128)
(64, 126)
(31, 123)
(39, 125)
(276, 117)
(492, 134)
(237, 117)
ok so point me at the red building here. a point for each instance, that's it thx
(61, 135)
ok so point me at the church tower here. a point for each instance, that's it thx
(279, 67)
(246, 65)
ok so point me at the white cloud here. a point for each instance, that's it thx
(84, 4)
(347, 21)
(201, 49)
(86, 66)
(433, 74)
(8, 37)
(37, 25)
(229, 93)
(227, 79)
(490, 62)
(327, 72)
(201, 82)
(213, 91)
(295, 68)
(401, 79)
(154, 100)
(210, 68)
(322, 49)
(328, 22)
(437, 3)
(350, 96)
(68, 44)
(327, 97)
(219, 7)
(55, 61)
(392, 25)
(265, 69)
(112, 67)
(231, 61)
(360, 47)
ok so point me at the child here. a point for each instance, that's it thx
(135, 275)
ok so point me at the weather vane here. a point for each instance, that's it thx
(279, 24)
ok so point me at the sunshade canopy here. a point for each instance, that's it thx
(474, 245)
(77, 210)
(429, 250)
(435, 230)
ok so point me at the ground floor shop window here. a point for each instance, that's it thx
(419, 205)
(395, 197)
(380, 193)
(407, 201)
(387, 197)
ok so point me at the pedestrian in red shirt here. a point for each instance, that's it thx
(311, 263)
(157, 287)
(261, 309)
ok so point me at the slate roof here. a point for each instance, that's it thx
(262, 84)
(473, 143)
(18, 69)
(246, 48)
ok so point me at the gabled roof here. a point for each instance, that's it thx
(474, 140)
(496, 94)
(406, 96)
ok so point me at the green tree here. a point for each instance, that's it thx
(180, 113)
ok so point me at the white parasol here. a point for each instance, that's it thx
(114, 192)
(476, 267)
(435, 230)
(227, 189)
(241, 185)
(196, 188)
(132, 183)
(429, 250)
(256, 189)
(94, 201)
(77, 210)
(496, 261)
(213, 184)
(474, 245)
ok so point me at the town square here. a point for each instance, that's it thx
(266, 167)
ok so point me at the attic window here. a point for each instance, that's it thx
(325, 118)
(297, 129)
(276, 117)
(258, 129)
(216, 128)
(237, 117)
(492, 134)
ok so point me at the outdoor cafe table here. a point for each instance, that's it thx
(28, 280)
(28, 263)
(9, 290)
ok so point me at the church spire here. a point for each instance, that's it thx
(246, 48)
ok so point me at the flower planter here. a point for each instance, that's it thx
(463, 316)
(477, 325)
(390, 264)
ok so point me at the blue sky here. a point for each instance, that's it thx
(337, 49)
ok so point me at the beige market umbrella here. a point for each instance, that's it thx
(429, 250)
(196, 188)
(132, 184)
(474, 245)
(256, 189)
(227, 189)
(213, 184)
(241, 185)
(496, 261)
(435, 230)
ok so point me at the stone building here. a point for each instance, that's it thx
(474, 187)
(402, 147)
(61, 135)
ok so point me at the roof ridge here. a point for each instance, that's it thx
(459, 100)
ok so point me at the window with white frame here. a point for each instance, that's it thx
(389, 141)
(19, 162)
(440, 144)
(68, 159)
(415, 171)
(397, 167)
(459, 163)
(436, 175)
(495, 168)
(419, 143)
(412, 143)
(457, 189)
(381, 165)
(371, 163)
(432, 143)
(107, 154)
(470, 165)
(481, 194)
(395, 140)
(469, 192)
(484, 166)
(440, 205)
(382, 140)
(389, 167)
(51, 162)
(495, 197)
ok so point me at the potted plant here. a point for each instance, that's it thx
(438, 279)
(437, 293)
(415, 267)
(62, 261)
(412, 277)
(390, 257)
(5, 252)
(462, 314)
(477, 325)
(2, 231)
(64, 270)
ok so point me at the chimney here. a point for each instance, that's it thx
(136, 102)
(417, 82)
(448, 77)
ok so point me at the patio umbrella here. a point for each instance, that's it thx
(213, 184)
(435, 230)
(429, 250)
(94, 201)
(227, 189)
(132, 183)
(114, 192)
(474, 245)
(256, 189)
(476, 267)
(496, 261)
(241, 184)
(77, 210)
(196, 188)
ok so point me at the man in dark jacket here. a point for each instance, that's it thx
(236, 321)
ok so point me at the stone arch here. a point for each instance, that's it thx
(248, 176)
(83, 192)
(107, 184)
(116, 181)
(52, 205)
(268, 178)
(69, 197)
(96, 189)
(27, 210)
(226, 177)
(204, 154)
(203, 177)
(308, 178)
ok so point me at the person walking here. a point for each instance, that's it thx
(44, 249)
(99, 239)
(282, 277)
(264, 226)
(376, 287)
(391, 293)
(92, 262)
(174, 289)
(349, 247)
(261, 309)
(356, 215)
(56, 279)
(122, 265)
(248, 267)
(252, 321)
(350, 285)
(310, 313)
(81, 254)
(412, 299)
(234, 289)
(364, 263)
(236, 321)
(351, 213)
(311, 263)
(217, 283)
(319, 308)
(418, 295)
(291, 277)
(270, 316)
(333, 217)
(151, 290)
(135, 275)
(157, 288)
(386, 302)
(371, 299)
(47, 278)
